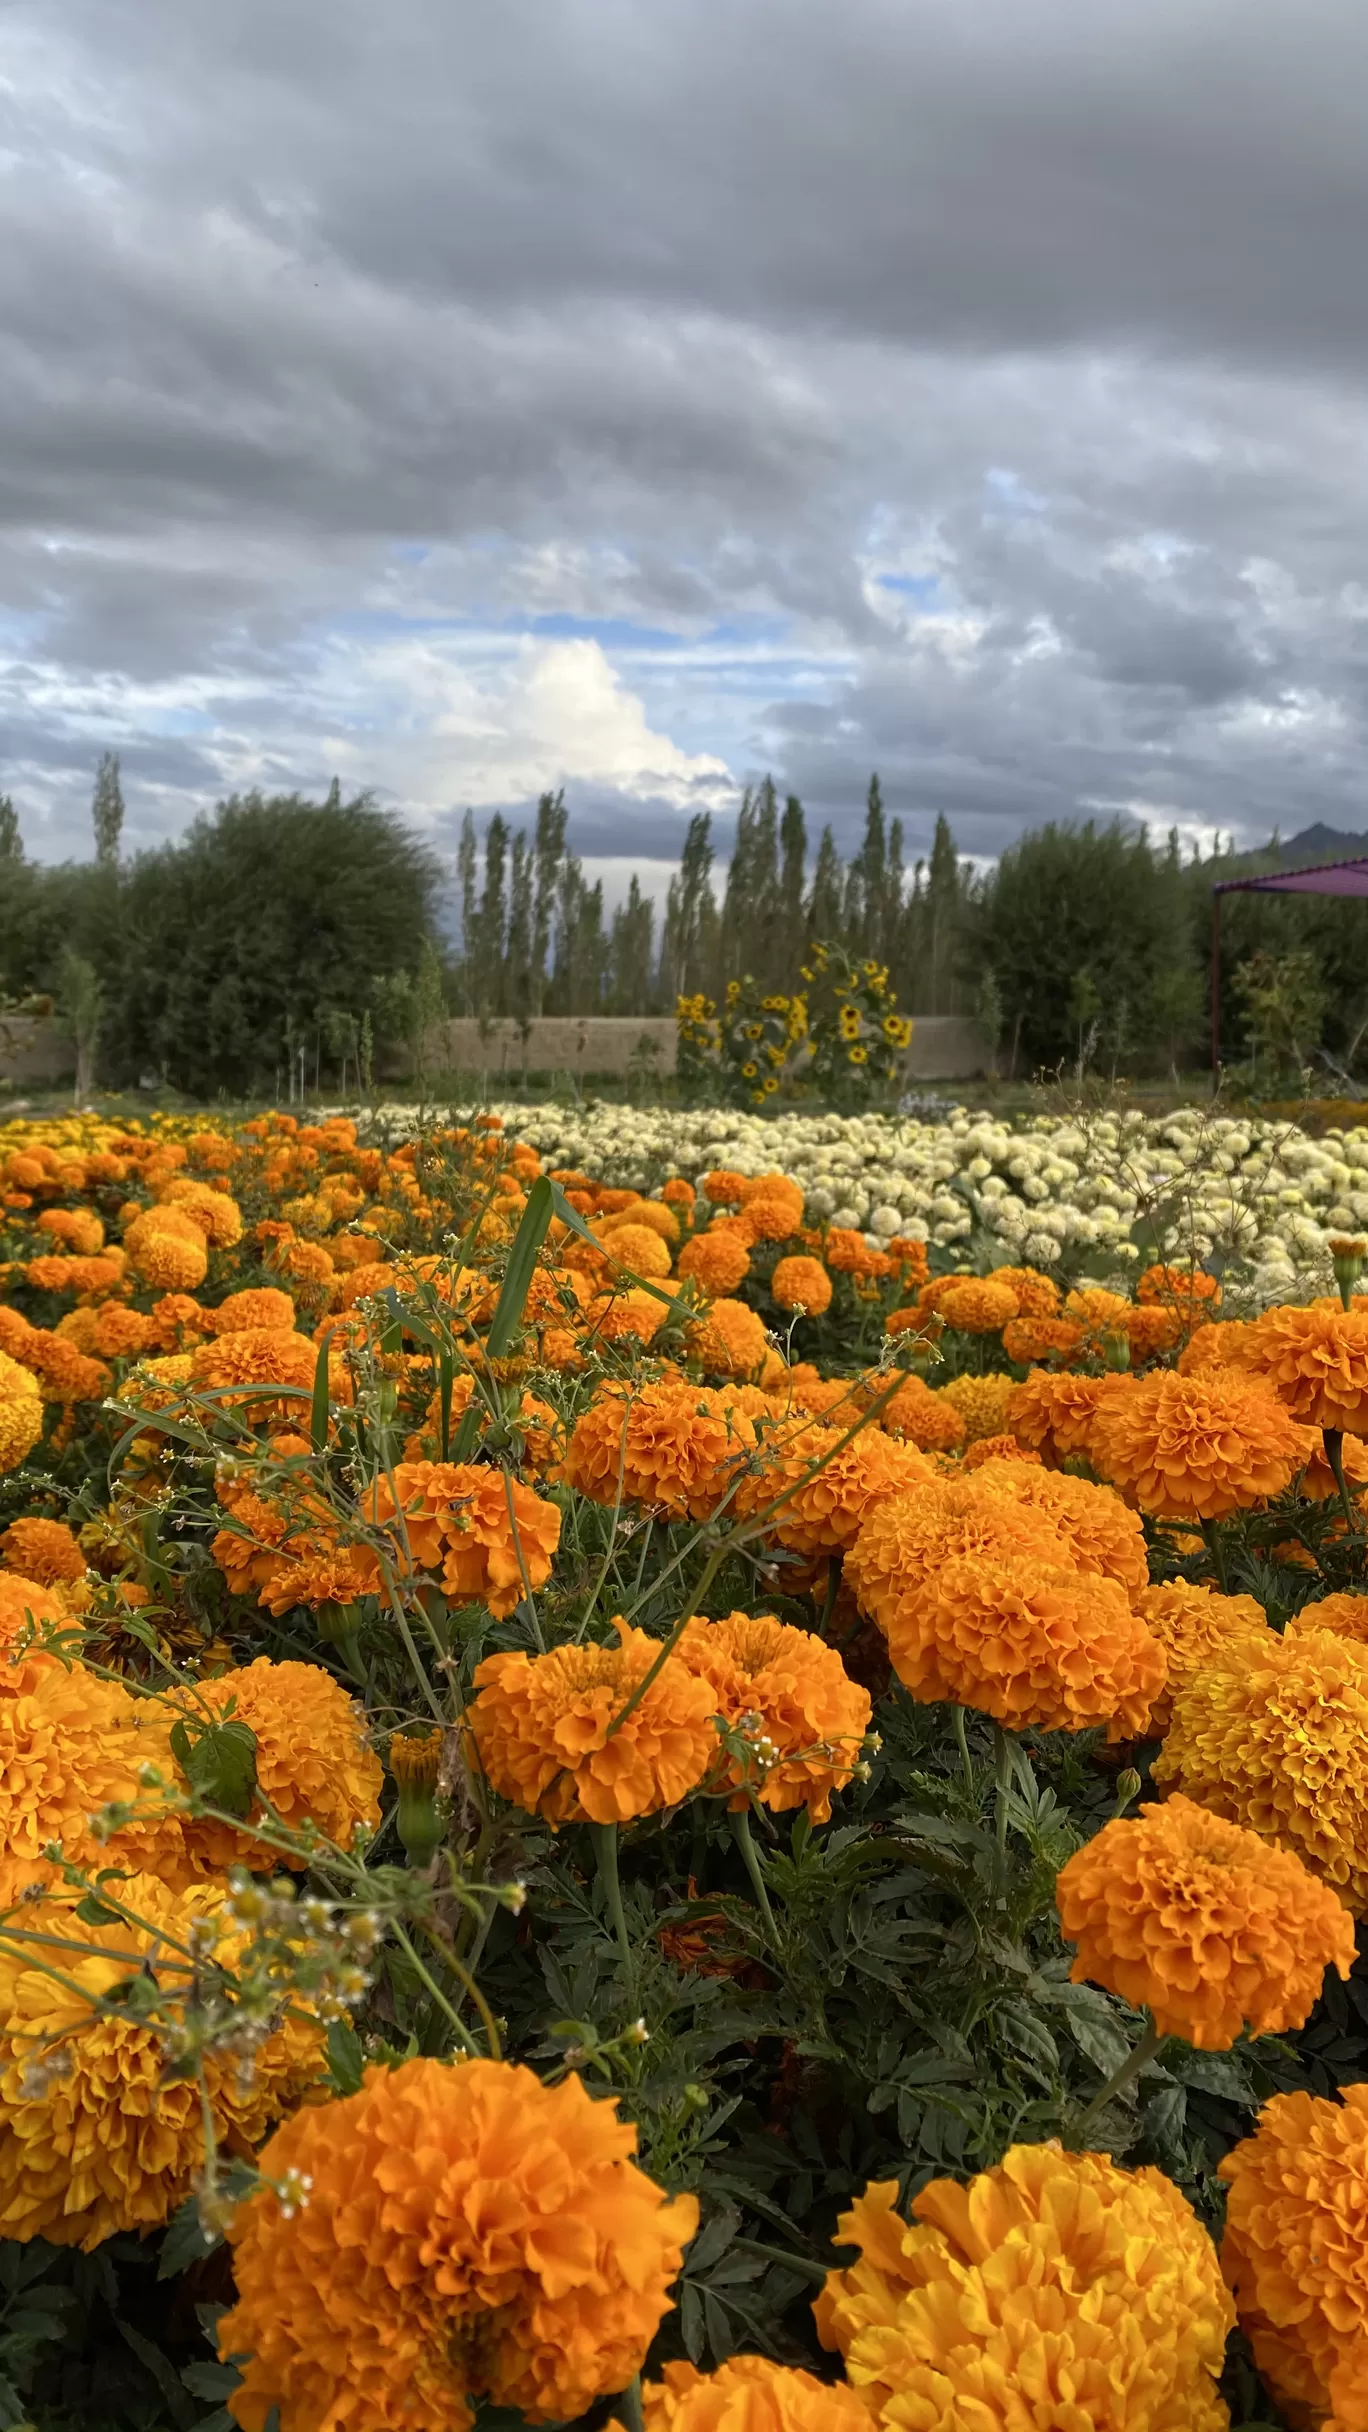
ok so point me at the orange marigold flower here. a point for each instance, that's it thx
(788, 1693)
(802, 1283)
(729, 1340)
(906, 1541)
(637, 1249)
(1033, 1644)
(338, 1575)
(1055, 2288)
(1037, 1295)
(718, 1261)
(117, 1332)
(180, 1321)
(1345, 1613)
(1029, 1340)
(218, 1217)
(823, 1508)
(1186, 1289)
(749, 2394)
(1151, 1331)
(1101, 1315)
(848, 1253)
(1212, 1346)
(1196, 1447)
(261, 1356)
(69, 1744)
(1100, 1531)
(633, 1315)
(109, 2140)
(1202, 1923)
(1318, 1482)
(1315, 1360)
(1054, 1414)
(1278, 1739)
(167, 1250)
(495, 1538)
(542, 1726)
(1295, 2249)
(914, 1321)
(678, 1193)
(998, 1448)
(261, 1306)
(44, 1550)
(313, 1764)
(1194, 1625)
(28, 1608)
(982, 1402)
(978, 1305)
(673, 1446)
(922, 1417)
(471, 2231)
(724, 1187)
(772, 1216)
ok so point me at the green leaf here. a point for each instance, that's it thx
(219, 1763)
(345, 2058)
(522, 1264)
(318, 1413)
(211, 2380)
(1165, 2114)
(185, 2242)
(446, 1378)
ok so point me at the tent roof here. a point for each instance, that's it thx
(1324, 878)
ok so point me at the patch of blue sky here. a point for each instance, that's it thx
(1009, 487)
(921, 587)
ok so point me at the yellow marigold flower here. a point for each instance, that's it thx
(801, 1283)
(262, 1306)
(718, 1260)
(823, 1508)
(44, 1550)
(1196, 1447)
(793, 1698)
(1202, 1923)
(675, 1447)
(729, 1340)
(923, 1418)
(1194, 1626)
(1278, 1740)
(542, 1724)
(95, 2136)
(21, 1412)
(981, 1401)
(654, 1213)
(1315, 1360)
(313, 1764)
(493, 1537)
(470, 2231)
(1102, 1533)
(1052, 2290)
(749, 2394)
(1054, 1415)
(979, 1305)
(1345, 1613)
(1294, 2246)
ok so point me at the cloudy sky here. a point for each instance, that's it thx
(470, 396)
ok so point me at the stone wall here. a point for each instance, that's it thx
(35, 1051)
(36, 1054)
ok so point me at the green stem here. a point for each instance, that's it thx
(605, 1839)
(751, 1858)
(1002, 1776)
(1121, 2077)
(833, 1590)
(1333, 1440)
(1215, 1546)
(962, 1741)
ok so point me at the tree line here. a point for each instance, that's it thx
(280, 941)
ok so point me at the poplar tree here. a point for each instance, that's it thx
(11, 842)
(107, 811)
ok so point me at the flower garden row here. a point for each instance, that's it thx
(680, 1799)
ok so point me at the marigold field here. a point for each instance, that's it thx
(684, 1774)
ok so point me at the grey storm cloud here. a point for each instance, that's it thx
(324, 321)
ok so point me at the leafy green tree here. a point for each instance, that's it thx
(11, 842)
(1088, 906)
(107, 810)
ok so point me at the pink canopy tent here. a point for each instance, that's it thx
(1324, 878)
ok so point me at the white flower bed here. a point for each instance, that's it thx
(1042, 1190)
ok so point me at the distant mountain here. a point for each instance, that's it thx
(1320, 843)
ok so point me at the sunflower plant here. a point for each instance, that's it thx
(858, 1034)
